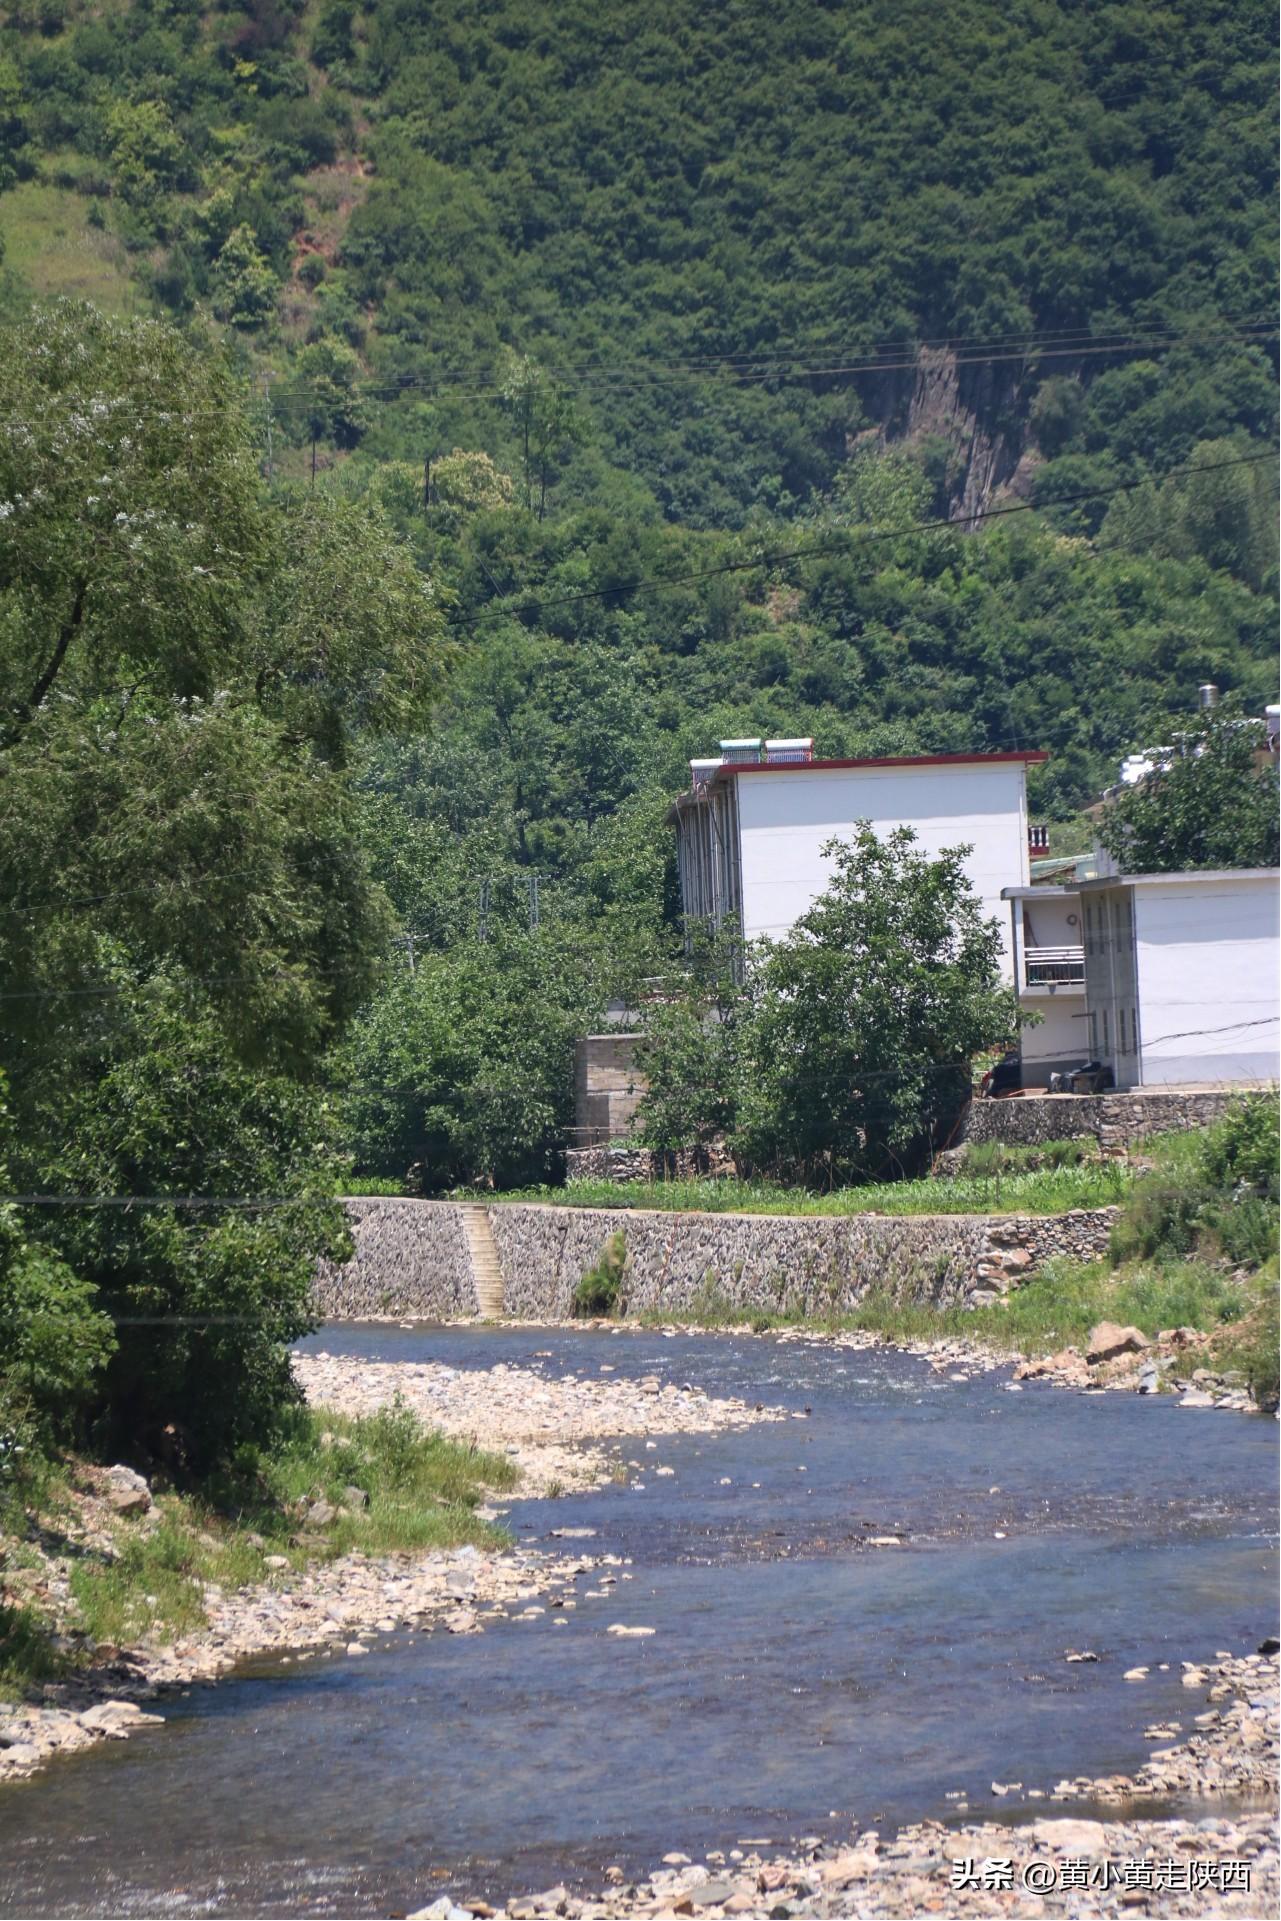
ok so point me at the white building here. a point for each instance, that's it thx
(751, 830)
(1048, 944)
(1179, 976)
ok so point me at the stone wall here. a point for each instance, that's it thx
(1114, 1120)
(627, 1165)
(411, 1259)
(810, 1264)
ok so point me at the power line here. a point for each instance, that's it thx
(616, 380)
(902, 343)
(659, 583)
(738, 369)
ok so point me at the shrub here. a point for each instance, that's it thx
(601, 1288)
(54, 1341)
(1214, 1192)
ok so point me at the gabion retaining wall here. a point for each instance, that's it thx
(1114, 1120)
(411, 1258)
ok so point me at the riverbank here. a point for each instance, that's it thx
(511, 1430)
(1112, 1861)
(1112, 1357)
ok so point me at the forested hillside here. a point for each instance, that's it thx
(729, 227)
(683, 347)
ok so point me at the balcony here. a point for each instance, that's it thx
(1054, 966)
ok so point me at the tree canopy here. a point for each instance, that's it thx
(1209, 801)
(846, 1053)
(188, 918)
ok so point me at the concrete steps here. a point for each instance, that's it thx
(486, 1269)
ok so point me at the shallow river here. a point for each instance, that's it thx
(796, 1680)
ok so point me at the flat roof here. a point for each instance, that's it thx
(1047, 891)
(1183, 876)
(1028, 756)
(1186, 874)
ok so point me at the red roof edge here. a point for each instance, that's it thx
(1028, 755)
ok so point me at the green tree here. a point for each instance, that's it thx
(187, 916)
(1208, 803)
(547, 422)
(329, 405)
(54, 1337)
(689, 1056)
(149, 160)
(462, 1071)
(860, 1025)
(245, 284)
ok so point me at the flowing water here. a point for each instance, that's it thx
(797, 1679)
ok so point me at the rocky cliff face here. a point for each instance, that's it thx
(977, 413)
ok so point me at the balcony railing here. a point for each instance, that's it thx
(1054, 966)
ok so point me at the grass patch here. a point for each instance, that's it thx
(27, 1654)
(1044, 1190)
(420, 1490)
(48, 241)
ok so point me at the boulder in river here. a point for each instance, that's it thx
(1107, 1341)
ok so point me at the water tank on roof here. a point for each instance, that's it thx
(739, 752)
(701, 771)
(783, 752)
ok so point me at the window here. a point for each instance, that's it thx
(1107, 1042)
(1094, 1033)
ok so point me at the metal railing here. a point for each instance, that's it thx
(1054, 966)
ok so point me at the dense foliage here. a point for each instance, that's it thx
(845, 1055)
(707, 218)
(1210, 801)
(653, 342)
(189, 920)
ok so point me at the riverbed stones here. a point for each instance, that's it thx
(550, 1427)
(118, 1718)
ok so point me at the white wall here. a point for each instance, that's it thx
(1054, 921)
(1208, 958)
(1061, 1039)
(785, 819)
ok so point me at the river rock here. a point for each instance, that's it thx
(1107, 1340)
(127, 1490)
(118, 1717)
(1070, 1837)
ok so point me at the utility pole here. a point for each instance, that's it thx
(483, 925)
(267, 391)
(313, 463)
(427, 483)
(532, 884)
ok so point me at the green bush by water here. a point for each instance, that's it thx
(601, 1289)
